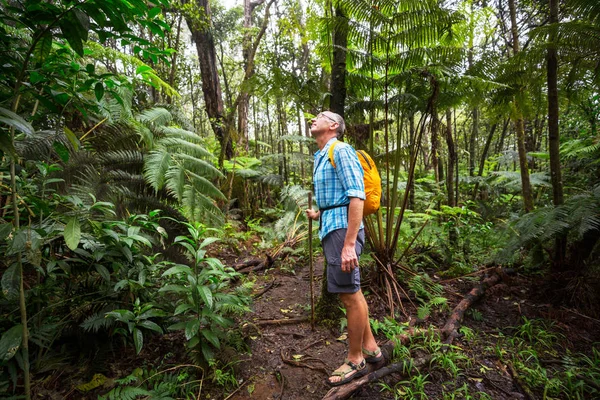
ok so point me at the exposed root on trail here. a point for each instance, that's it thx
(265, 290)
(450, 329)
(296, 363)
(403, 367)
(285, 321)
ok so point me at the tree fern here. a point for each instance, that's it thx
(576, 219)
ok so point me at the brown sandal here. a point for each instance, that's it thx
(359, 370)
(373, 357)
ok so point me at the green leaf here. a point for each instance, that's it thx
(10, 342)
(5, 230)
(72, 138)
(173, 288)
(207, 352)
(178, 326)
(6, 145)
(191, 328)
(154, 12)
(182, 308)
(72, 233)
(208, 241)
(11, 282)
(103, 271)
(177, 270)
(211, 337)
(75, 28)
(206, 295)
(43, 46)
(61, 150)
(138, 340)
(99, 91)
(15, 121)
(143, 68)
(151, 325)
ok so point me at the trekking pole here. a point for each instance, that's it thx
(310, 266)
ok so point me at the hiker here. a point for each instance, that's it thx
(340, 193)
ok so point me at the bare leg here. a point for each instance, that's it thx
(358, 328)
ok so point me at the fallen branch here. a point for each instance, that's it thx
(288, 321)
(248, 263)
(345, 391)
(450, 330)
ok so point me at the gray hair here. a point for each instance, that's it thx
(341, 124)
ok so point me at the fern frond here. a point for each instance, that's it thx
(175, 144)
(96, 322)
(197, 165)
(156, 116)
(156, 166)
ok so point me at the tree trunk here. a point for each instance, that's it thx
(484, 154)
(435, 145)
(173, 71)
(473, 140)
(338, 68)
(520, 124)
(450, 173)
(411, 184)
(553, 130)
(247, 53)
(211, 87)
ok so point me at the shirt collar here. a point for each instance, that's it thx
(326, 147)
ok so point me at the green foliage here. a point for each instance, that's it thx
(136, 320)
(201, 294)
(576, 219)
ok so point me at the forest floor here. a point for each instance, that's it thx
(512, 323)
(292, 361)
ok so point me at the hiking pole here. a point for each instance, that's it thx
(310, 266)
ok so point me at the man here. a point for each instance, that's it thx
(340, 194)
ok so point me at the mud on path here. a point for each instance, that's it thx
(292, 362)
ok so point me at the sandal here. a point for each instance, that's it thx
(347, 375)
(373, 357)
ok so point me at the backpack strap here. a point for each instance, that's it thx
(332, 161)
(330, 152)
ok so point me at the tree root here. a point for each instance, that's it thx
(265, 290)
(404, 367)
(286, 321)
(295, 363)
(450, 329)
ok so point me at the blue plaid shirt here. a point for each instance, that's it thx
(335, 186)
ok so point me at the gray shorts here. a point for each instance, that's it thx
(337, 280)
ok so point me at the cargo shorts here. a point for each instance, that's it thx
(337, 280)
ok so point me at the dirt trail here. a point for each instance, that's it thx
(316, 352)
(267, 376)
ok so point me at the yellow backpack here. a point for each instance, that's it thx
(371, 178)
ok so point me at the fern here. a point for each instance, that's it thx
(96, 322)
(156, 116)
(424, 288)
(577, 217)
(125, 393)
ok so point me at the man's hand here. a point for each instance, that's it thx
(312, 214)
(349, 258)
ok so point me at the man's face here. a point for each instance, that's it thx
(322, 123)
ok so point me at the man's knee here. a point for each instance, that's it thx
(351, 299)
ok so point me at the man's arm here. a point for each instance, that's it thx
(355, 212)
